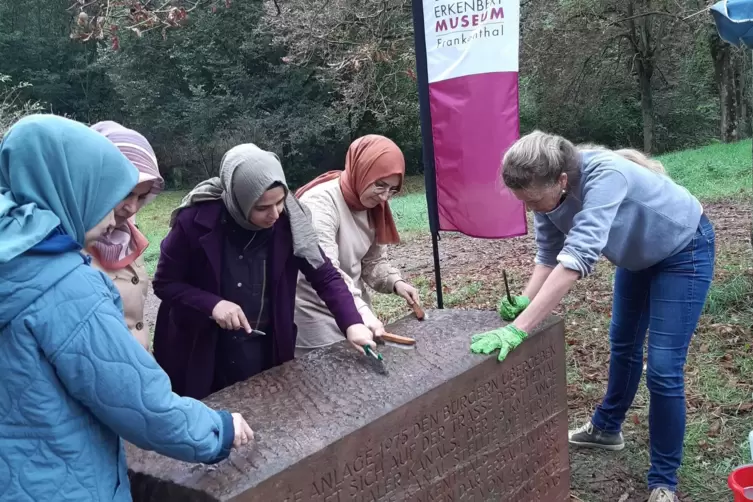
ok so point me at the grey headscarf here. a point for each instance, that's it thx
(246, 172)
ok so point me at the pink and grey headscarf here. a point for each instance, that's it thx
(122, 245)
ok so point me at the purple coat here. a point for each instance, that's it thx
(188, 283)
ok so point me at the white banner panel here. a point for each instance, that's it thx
(469, 37)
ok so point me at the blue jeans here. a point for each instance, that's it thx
(667, 299)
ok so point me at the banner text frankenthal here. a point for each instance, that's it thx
(460, 38)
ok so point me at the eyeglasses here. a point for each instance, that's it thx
(380, 189)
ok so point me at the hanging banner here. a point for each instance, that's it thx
(467, 60)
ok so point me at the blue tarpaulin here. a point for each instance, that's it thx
(734, 21)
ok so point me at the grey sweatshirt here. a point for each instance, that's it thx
(633, 216)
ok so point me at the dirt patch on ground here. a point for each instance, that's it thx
(596, 476)
(460, 254)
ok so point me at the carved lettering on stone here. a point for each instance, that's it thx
(444, 425)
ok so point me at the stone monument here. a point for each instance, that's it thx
(442, 425)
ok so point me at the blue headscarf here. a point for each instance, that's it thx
(57, 178)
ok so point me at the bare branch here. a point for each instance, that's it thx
(100, 19)
(646, 14)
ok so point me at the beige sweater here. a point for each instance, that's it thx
(349, 243)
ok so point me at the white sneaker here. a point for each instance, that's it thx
(663, 495)
(591, 437)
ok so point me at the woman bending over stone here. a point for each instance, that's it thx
(354, 223)
(589, 202)
(74, 379)
(227, 277)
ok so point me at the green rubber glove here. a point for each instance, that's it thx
(508, 311)
(505, 339)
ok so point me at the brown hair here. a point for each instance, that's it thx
(539, 159)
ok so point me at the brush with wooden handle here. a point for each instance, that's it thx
(398, 339)
(420, 315)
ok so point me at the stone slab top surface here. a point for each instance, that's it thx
(302, 407)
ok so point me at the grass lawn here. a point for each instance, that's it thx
(720, 362)
(711, 173)
(409, 210)
(154, 222)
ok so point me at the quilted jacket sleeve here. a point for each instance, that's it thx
(105, 369)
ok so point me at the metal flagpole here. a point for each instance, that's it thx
(430, 177)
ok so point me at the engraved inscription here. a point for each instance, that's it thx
(444, 425)
(499, 439)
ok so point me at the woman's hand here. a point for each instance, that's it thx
(243, 433)
(505, 339)
(508, 311)
(549, 296)
(359, 335)
(230, 316)
(408, 292)
(376, 327)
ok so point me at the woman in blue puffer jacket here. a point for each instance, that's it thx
(73, 381)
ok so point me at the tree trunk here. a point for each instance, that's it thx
(730, 102)
(645, 72)
(738, 83)
(741, 93)
(641, 41)
(724, 75)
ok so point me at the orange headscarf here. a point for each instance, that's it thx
(369, 159)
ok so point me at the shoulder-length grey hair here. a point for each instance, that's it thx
(539, 159)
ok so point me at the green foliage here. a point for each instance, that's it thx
(198, 94)
(305, 77)
(35, 47)
(689, 110)
(11, 107)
